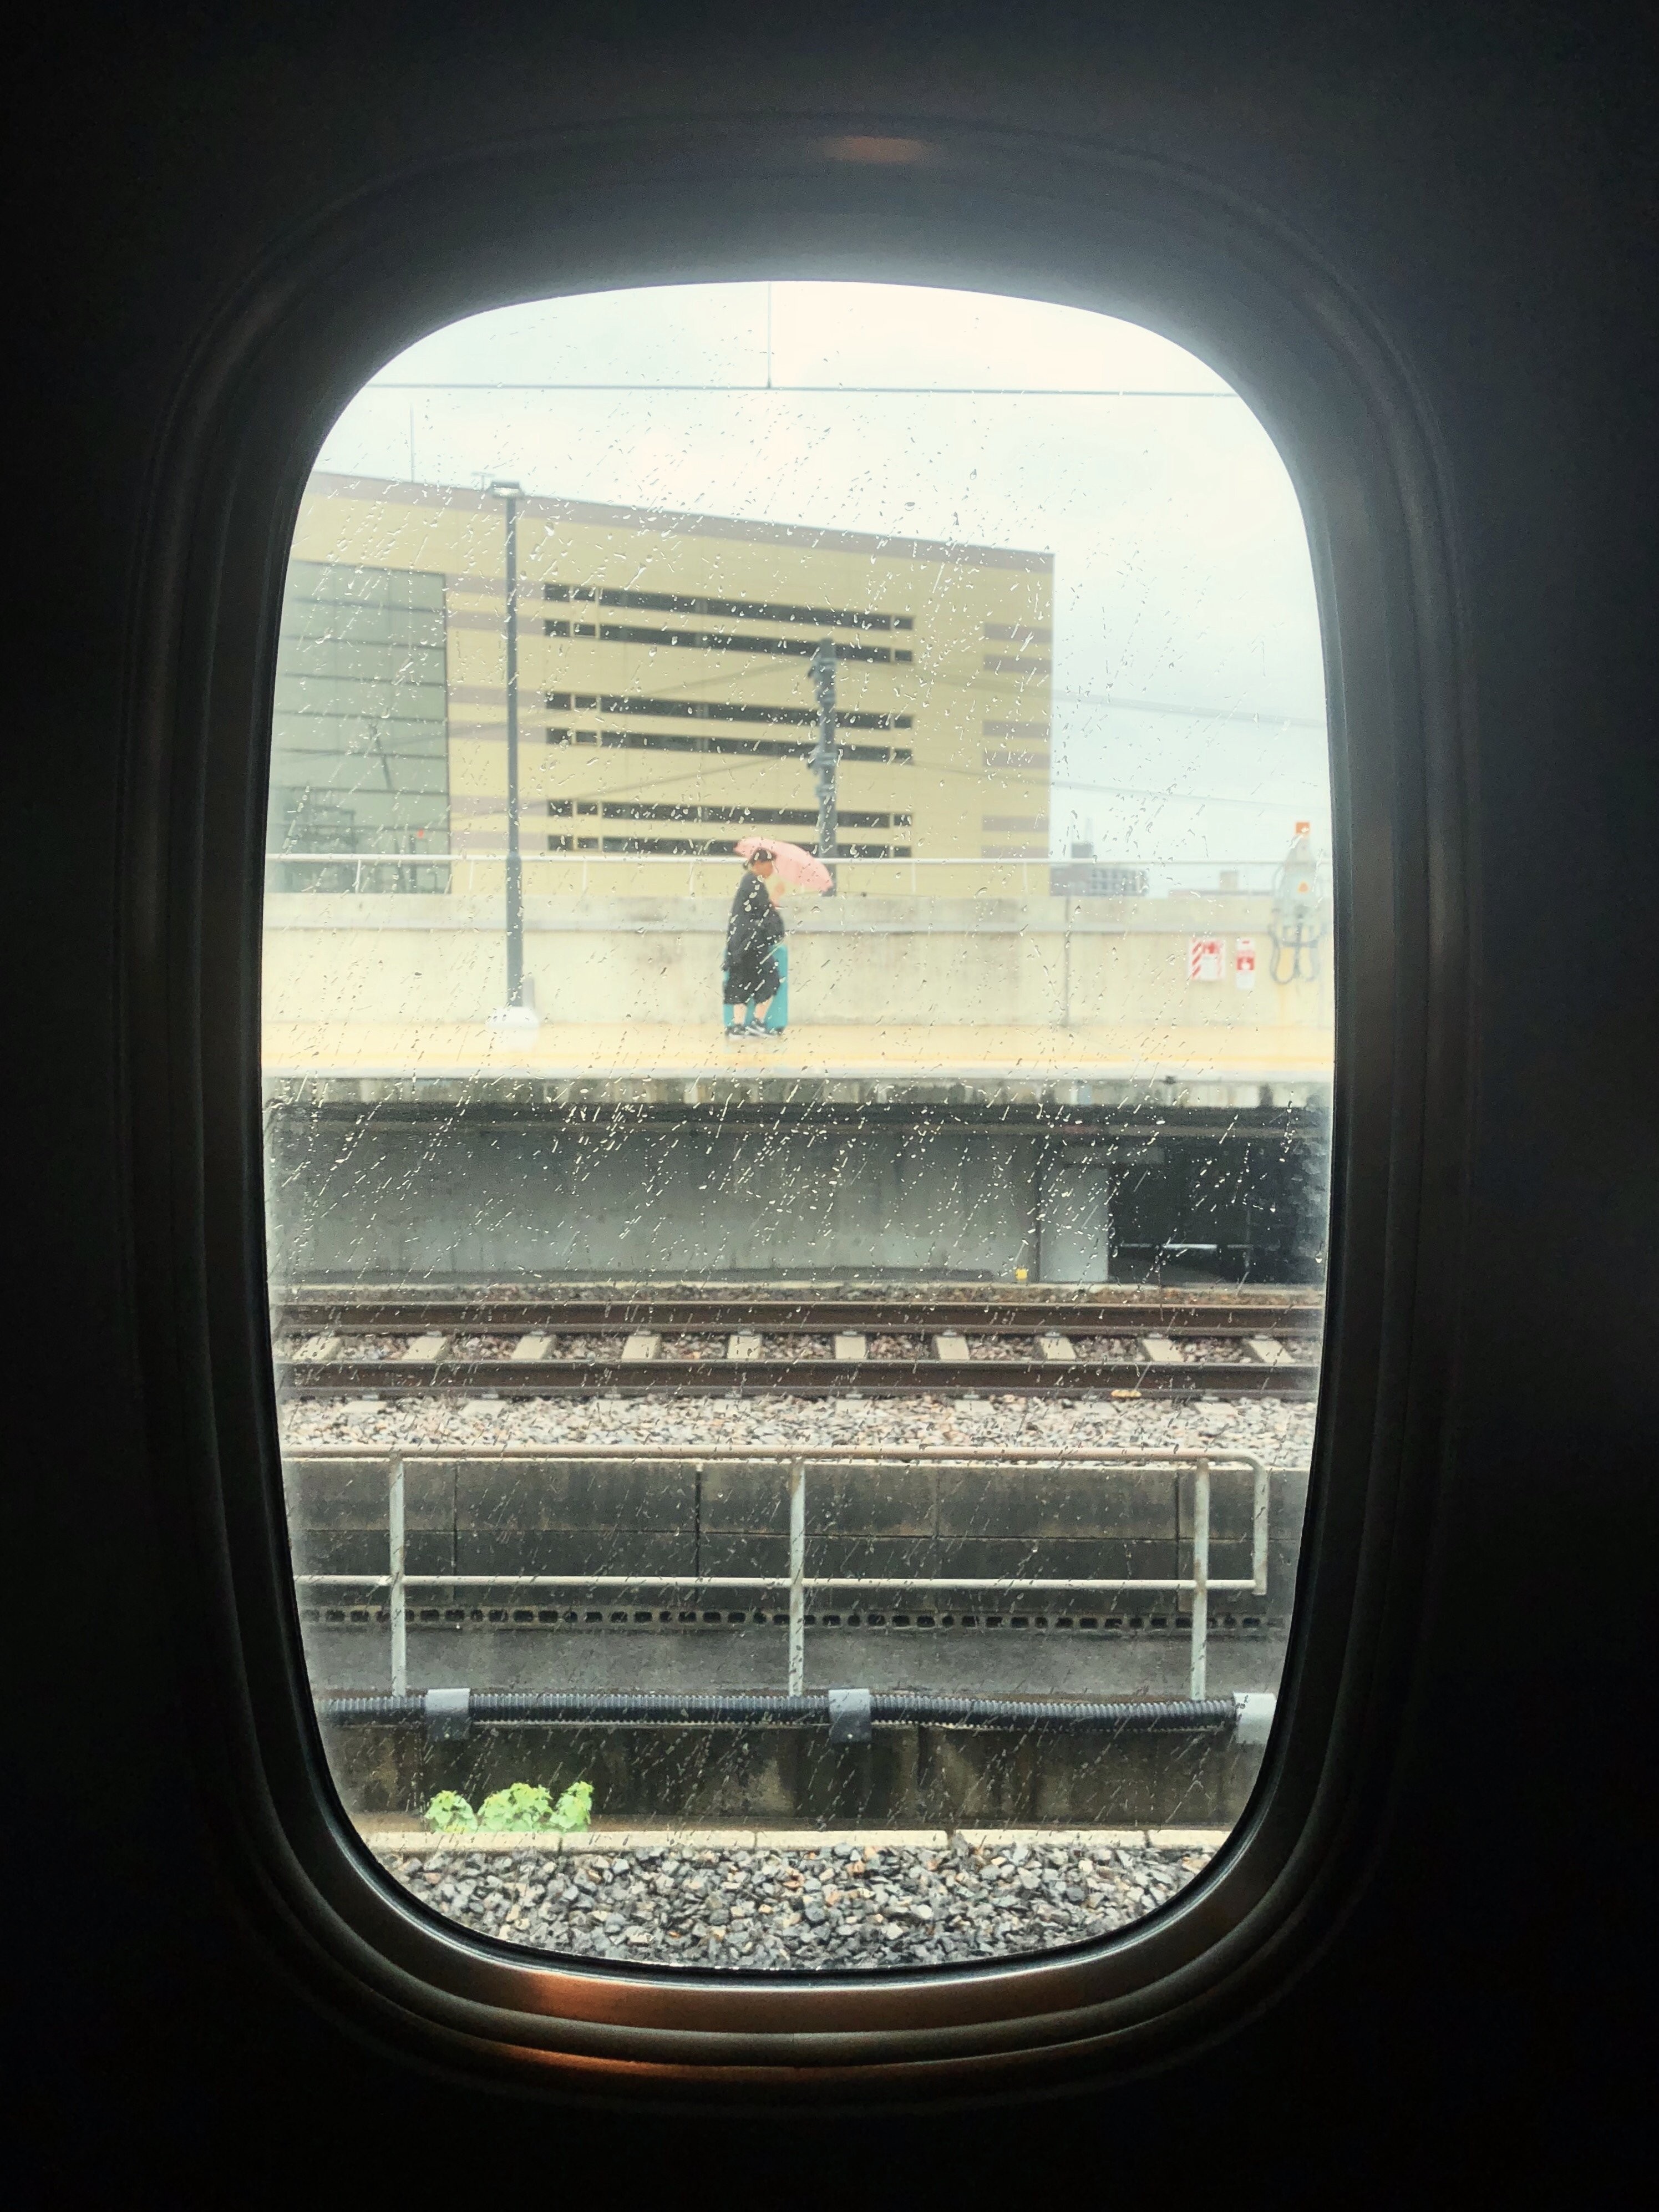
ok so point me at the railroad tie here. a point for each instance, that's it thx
(1042, 1341)
(1269, 1351)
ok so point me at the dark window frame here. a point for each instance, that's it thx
(1004, 212)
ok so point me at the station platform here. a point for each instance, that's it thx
(1214, 1064)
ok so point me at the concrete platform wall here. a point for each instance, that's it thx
(1026, 963)
(469, 1195)
(413, 1202)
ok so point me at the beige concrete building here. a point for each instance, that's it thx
(665, 706)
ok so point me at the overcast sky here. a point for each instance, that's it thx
(1183, 598)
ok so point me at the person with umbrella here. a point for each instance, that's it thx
(753, 931)
(756, 973)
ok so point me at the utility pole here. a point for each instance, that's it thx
(515, 1014)
(827, 753)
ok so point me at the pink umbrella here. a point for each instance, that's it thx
(801, 871)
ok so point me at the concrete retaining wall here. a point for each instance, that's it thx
(905, 1777)
(479, 1516)
(482, 1517)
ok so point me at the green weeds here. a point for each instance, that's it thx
(523, 1808)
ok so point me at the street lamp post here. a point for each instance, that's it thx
(515, 1014)
(826, 754)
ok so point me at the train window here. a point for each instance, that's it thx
(797, 1296)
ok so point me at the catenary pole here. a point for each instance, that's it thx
(510, 495)
(826, 755)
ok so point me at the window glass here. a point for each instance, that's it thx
(797, 1055)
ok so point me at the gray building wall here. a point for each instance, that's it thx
(359, 745)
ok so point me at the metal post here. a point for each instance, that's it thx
(514, 865)
(1201, 1577)
(514, 1014)
(1259, 1535)
(400, 1611)
(827, 754)
(797, 1578)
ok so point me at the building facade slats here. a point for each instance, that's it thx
(392, 706)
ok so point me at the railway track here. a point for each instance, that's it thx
(393, 1344)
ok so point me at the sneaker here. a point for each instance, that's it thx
(760, 1029)
(737, 1030)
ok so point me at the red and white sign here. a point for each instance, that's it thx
(1204, 960)
(1244, 963)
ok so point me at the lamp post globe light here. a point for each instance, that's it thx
(519, 1011)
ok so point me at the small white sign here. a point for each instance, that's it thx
(1204, 960)
(1244, 963)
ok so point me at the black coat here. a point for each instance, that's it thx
(754, 928)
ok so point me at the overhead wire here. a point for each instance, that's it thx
(818, 390)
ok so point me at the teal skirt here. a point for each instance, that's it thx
(777, 1014)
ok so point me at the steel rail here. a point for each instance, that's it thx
(1092, 1315)
(1035, 1456)
(1293, 1325)
(506, 1378)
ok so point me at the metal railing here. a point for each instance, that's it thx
(1031, 876)
(1202, 1465)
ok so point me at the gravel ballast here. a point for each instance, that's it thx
(1277, 1430)
(838, 1906)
